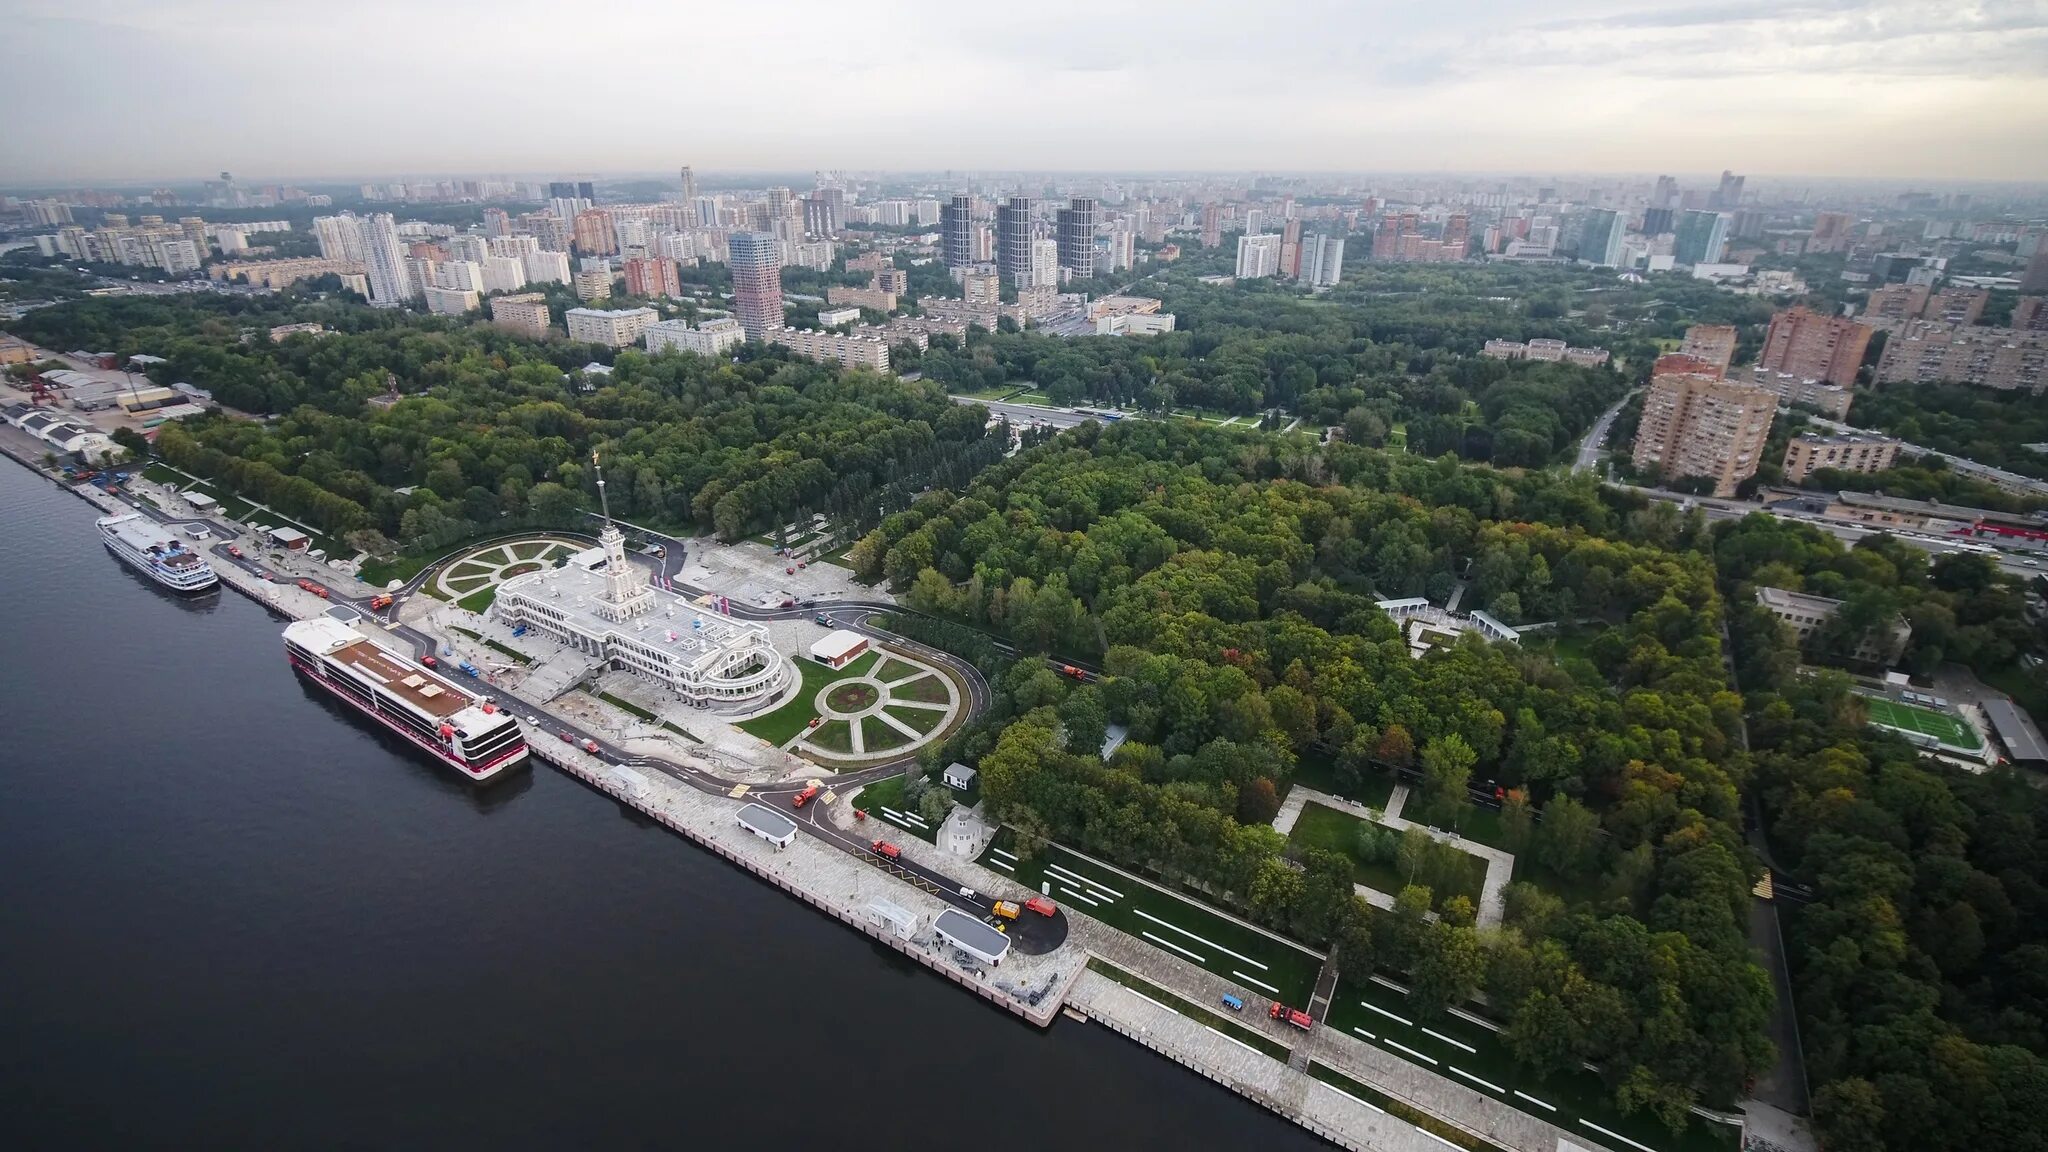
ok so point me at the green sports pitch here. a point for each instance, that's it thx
(1906, 718)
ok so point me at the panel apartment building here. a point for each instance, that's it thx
(1806, 344)
(1697, 424)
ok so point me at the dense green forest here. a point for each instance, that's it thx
(494, 432)
(1978, 424)
(1919, 966)
(1228, 582)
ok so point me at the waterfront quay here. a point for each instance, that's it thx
(1338, 1086)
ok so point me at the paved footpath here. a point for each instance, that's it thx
(1500, 866)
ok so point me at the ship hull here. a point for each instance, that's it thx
(489, 772)
(212, 583)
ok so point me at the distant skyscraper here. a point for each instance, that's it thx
(561, 189)
(689, 184)
(384, 261)
(1656, 221)
(1212, 225)
(1600, 242)
(1830, 232)
(1665, 192)
(1701, 237)
(1013, 241)
(1077, 237)
(1728, 196)
(755, 259)
(584, 190)
(1258, 256)
(1322, 260)
(340, 238)
(1290, 246)
(956, 232)
(2036, 277)
(1045, 264)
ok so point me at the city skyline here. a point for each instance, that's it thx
(1884, 89)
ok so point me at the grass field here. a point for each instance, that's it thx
(893, 669)
(1471, 1054)
(778, 726)
(888, 793)
(1263, 964)
(925, 690)
(1905, 717)
(1316, 770)
(834, 735)
(877, 736)
(1321, 826)
(479, 600)
(922, 719)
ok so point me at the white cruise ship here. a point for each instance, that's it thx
(469, 733)
(151, 549)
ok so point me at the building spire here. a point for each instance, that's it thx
(602, 503)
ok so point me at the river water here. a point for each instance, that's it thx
(232, 915)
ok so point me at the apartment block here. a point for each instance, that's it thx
(1809, 452)
(450, 301)
(846, 296)
(653, 278)
(1714, 343)
(852, 351)
(1926, 352)
(2031, 314)
(615, 328)
(1812, 346)
(1831, 400)
(1258, 256)
(1696, 424)
(1897, 302)
(594, 284)
(708, 338)
(526, 313)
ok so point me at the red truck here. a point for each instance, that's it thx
(315, 589)
(1294, 1016)
(804, 797)
(1041, 905)
(885, 850)
(1071, 671)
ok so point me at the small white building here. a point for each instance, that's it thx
(839, 648)
(200, 501)
(768, 824)
(894, 919)
(959, 777)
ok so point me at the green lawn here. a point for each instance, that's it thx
(627, 706)
(877, 736)
(465, 583)
(1905, 717)
(1479, 823)
(888, 793)
(922, 719)
(833, 735)
(1327, 828)
(989, 393)
(469, 570)
(1472, 1054)
(1218, 1021)
(479, 600)
(893, 669)
(1178, 925)
(779, 726)
(1029, 398)
(927, 690)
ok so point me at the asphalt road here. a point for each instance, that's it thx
(1026, 413)
(1596, 437)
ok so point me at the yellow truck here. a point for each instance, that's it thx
(1006, 910)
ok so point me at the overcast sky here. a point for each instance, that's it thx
(160, 89)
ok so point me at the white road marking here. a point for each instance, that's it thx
(1353, 1099)
(1448, 1040)
(1535, 1101)
(1410, 1051)
(1106, 895)
(1175, 947)
(1000, 864)
(1384, 982)
(1004, 855)
(1477, 1080)
(1200, 940)
(1437, 1138)
(1388, 1015)
(1084, 880)
(1617, 1136)
(1256, 983)
(1363, 1032)
(1080, 897)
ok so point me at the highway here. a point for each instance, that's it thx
(1026, 413)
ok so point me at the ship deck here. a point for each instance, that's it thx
(418, 687)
